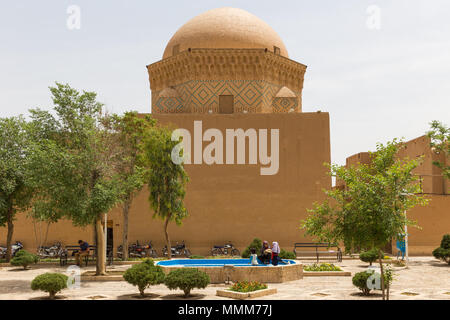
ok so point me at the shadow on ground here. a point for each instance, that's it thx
(181, 297)
(58, 297)
(15, 286)
(134, 296)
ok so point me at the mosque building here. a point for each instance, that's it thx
(256, 159)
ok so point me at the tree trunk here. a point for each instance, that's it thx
(169, 247)
(382, 274)
(126, 209)
(9, 235)
(52, 295)
(46, 233)
(101, 257)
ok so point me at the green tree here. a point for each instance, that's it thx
(131, 130)
(371, 209)
(75, 163)
(15, 188)
(440, 142)
(167, 180)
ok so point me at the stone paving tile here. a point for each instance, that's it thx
(426, 276)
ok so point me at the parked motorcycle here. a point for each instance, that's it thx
(137, 250)
(54, 251)
(14, 249)
(178, 250)
(224, 250)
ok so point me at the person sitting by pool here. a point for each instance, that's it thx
(253, 257)
(266, 253)
(275, 252)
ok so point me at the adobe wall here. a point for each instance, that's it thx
(434, 222)
(229, 202)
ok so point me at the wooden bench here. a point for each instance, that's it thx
(318, 249)
(71, 250)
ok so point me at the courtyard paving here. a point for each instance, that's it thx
(427, 278)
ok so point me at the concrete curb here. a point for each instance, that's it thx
(245, 295)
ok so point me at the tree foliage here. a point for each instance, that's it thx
(440, 142)
(131, 131)
(75, 162)
(167, 180)
(16, 190)
(370, 210)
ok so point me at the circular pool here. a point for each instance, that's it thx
(217, 263)
(224, 270)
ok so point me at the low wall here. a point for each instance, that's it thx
(278, 274)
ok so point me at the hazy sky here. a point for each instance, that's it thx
(377, 84)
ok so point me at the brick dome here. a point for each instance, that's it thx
(225, 28)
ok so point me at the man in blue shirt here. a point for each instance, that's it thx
(84, 251)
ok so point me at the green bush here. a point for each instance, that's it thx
(50, 282)
(144, 275)
(187, 279)
(287, 255)
(197, 257)
(256, 244)
(370, 256)
(24, 258)
(443, 252)
(360, 281)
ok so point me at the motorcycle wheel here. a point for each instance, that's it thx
(235, 253)
(187, 253)
(216, 252)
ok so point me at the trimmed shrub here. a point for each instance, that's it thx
(359, 280)
(50, 282)
(256, 244)
(287, 255)
(144, 275)
(187, 279)
(443, 252)
(24, 258)
(370, 256)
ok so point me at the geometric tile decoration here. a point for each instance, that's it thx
(201, 96)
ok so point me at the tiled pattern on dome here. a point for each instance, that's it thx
(284, 105)
(254, 96)
(169, 105)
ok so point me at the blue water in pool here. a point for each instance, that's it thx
(217, 263)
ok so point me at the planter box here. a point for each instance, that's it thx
(245, 295)
(327, 274)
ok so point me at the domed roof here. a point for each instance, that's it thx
(225, 28)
